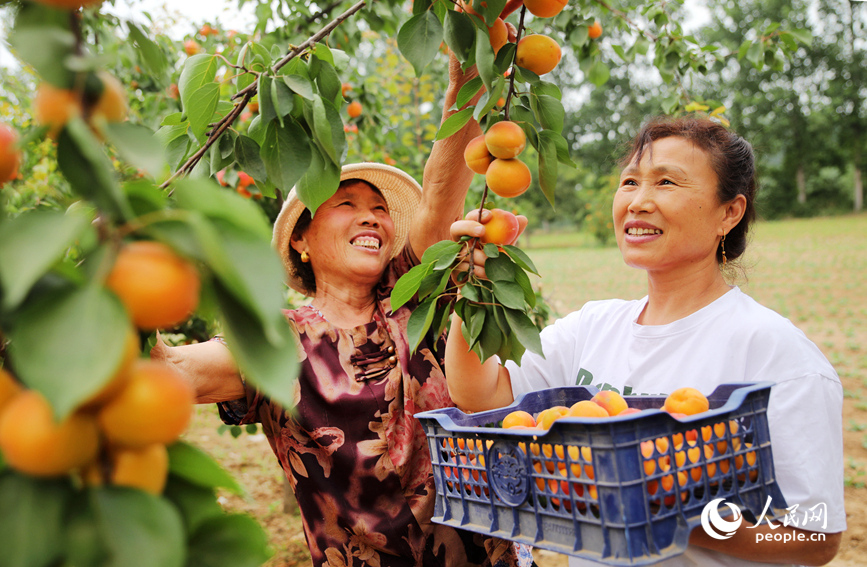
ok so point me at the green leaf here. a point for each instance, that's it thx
(29, 245)
(548, 89)
(271, 367)
(669, 104)
(509, 294)
(756, 54)
(300, 84)
(136, 528)
(500, 268)
(248, 155)
(475, 324)
(201, 107)
(485, 58)
(32, 524)
(434, 283)
(439, 250)
(267, 112)
(328, 81)
(598, 73)
(68, 343)
(419, 40)
(549, 111)
(328, 129)
(150, 54)
(45, 48)
(193, 464)
(232, 540)
(454, 123)
(205, 196)
(804, 36)
(283, 99)
(319, 183)
(523, 280)
(459, 32)
(286, 153)
(195, 502)
(199, 70)
(520, 257)
(491, 250)
(137, 145)
(419, 322)
(548, 163)
(84, 164)
(407, 286)
(524, 330)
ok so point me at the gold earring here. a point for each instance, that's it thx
(305, 257)
(722, 245)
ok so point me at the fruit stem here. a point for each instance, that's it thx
(512, 74)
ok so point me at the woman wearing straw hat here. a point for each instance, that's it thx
(354, 454)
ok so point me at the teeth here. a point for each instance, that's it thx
(366, 242)
(641, 231)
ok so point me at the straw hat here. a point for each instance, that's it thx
(401, 192)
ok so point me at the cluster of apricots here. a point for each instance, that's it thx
(10, 155)
(690, 458)
(243, 186)
(100, 101)
(119, 434)
(495, 155)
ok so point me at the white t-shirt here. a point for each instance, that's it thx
(734, 339)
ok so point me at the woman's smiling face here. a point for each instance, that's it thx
(351, 236)
(667, 213)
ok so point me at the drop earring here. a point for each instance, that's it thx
(305, 257)
(722, 245)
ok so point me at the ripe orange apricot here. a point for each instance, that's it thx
(508, 177)
(154, 407)
(548, 416)
(112, 102)
(354, 109)
(587, 408)
(69, 4)
(34, 443)
(538, 53)
(146, 468)
(503, 228)
(498, 34)
(477, 156)
(688, 401)
(545, 8)
(519, 417)
(345, 88)
(10, 156)
(158, 288)
(54, 107)
(505, 140)
(594, 30)
(9, 388)
(192, 47)
(610, 401)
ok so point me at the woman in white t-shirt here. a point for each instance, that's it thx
(682, 212)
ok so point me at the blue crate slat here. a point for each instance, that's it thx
(586, 488)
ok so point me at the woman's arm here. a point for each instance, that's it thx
(754, 544)
(446, 176)
(474, 386)
(208, 366)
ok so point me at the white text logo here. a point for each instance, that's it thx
(714, 525)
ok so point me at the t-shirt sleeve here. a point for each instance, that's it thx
(805, 417)
(560, 346)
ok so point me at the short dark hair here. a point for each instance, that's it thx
(731, 158)
(304, 270)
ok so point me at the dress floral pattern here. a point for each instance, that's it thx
(355, 456)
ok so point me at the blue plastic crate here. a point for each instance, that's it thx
(620, 490)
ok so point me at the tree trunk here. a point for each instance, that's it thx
(801, 182)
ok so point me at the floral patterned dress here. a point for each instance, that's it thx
(355, 456)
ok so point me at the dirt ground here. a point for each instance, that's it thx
(810, 271)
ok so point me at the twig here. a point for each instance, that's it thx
(325, 11)
(622, 15)
(512, 74)
(250, 91)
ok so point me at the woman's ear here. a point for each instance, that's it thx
(734, 212)
(297, 242)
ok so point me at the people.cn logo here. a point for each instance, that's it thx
(714, 525)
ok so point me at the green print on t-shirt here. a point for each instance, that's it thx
(585, 378)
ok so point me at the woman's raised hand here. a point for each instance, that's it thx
(474, 226)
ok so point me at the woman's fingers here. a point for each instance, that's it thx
(466, 228)
(522, 223)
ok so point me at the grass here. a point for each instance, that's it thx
(810, 270)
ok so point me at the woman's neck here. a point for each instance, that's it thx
(673, 297)
(345, 309)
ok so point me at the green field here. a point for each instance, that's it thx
(811, 271)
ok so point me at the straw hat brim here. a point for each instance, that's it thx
(401, 192)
